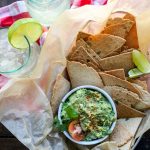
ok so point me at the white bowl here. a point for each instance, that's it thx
(105, 95)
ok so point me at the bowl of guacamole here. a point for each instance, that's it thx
(89, 114)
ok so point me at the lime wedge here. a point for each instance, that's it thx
(134, 73)
(141, 61)
(27, 27)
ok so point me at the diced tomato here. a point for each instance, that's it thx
(77, 137)
(76, 131)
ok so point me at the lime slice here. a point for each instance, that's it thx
(27, 27)
(134, 73)
(141, 61)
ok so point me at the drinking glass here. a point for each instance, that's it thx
(16, 62)
(46, 11)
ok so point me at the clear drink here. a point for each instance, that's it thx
(46, 11)
(15, 62)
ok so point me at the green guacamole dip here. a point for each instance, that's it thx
(95, 113)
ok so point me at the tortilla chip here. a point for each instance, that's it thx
(145, 95)
(61, 87)
(82, 35)
(129, 16)
(126, 146)
(123, 95)
(81, 55)
(110, 80)
(120, 135)
(126, 50)
(92, 54)
(118, 62)
(132, 38)
(123, 111)
(110, 145)
(139, 82)
(89, 50)
(117, 20)
(120, 30)
(81, 74)
(127, 97)
(142, 106)
(114, 53)
(132, 124)
(117, 73)
(90, 64)
(104, 44)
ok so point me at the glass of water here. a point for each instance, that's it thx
(16, 62)
(46, 11)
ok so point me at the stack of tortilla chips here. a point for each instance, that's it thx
(104, 60)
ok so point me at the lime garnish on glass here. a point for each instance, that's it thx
(142, 64)
(24, 28)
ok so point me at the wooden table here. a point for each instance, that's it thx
(9, 142)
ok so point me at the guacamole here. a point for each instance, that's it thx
(95, 113)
